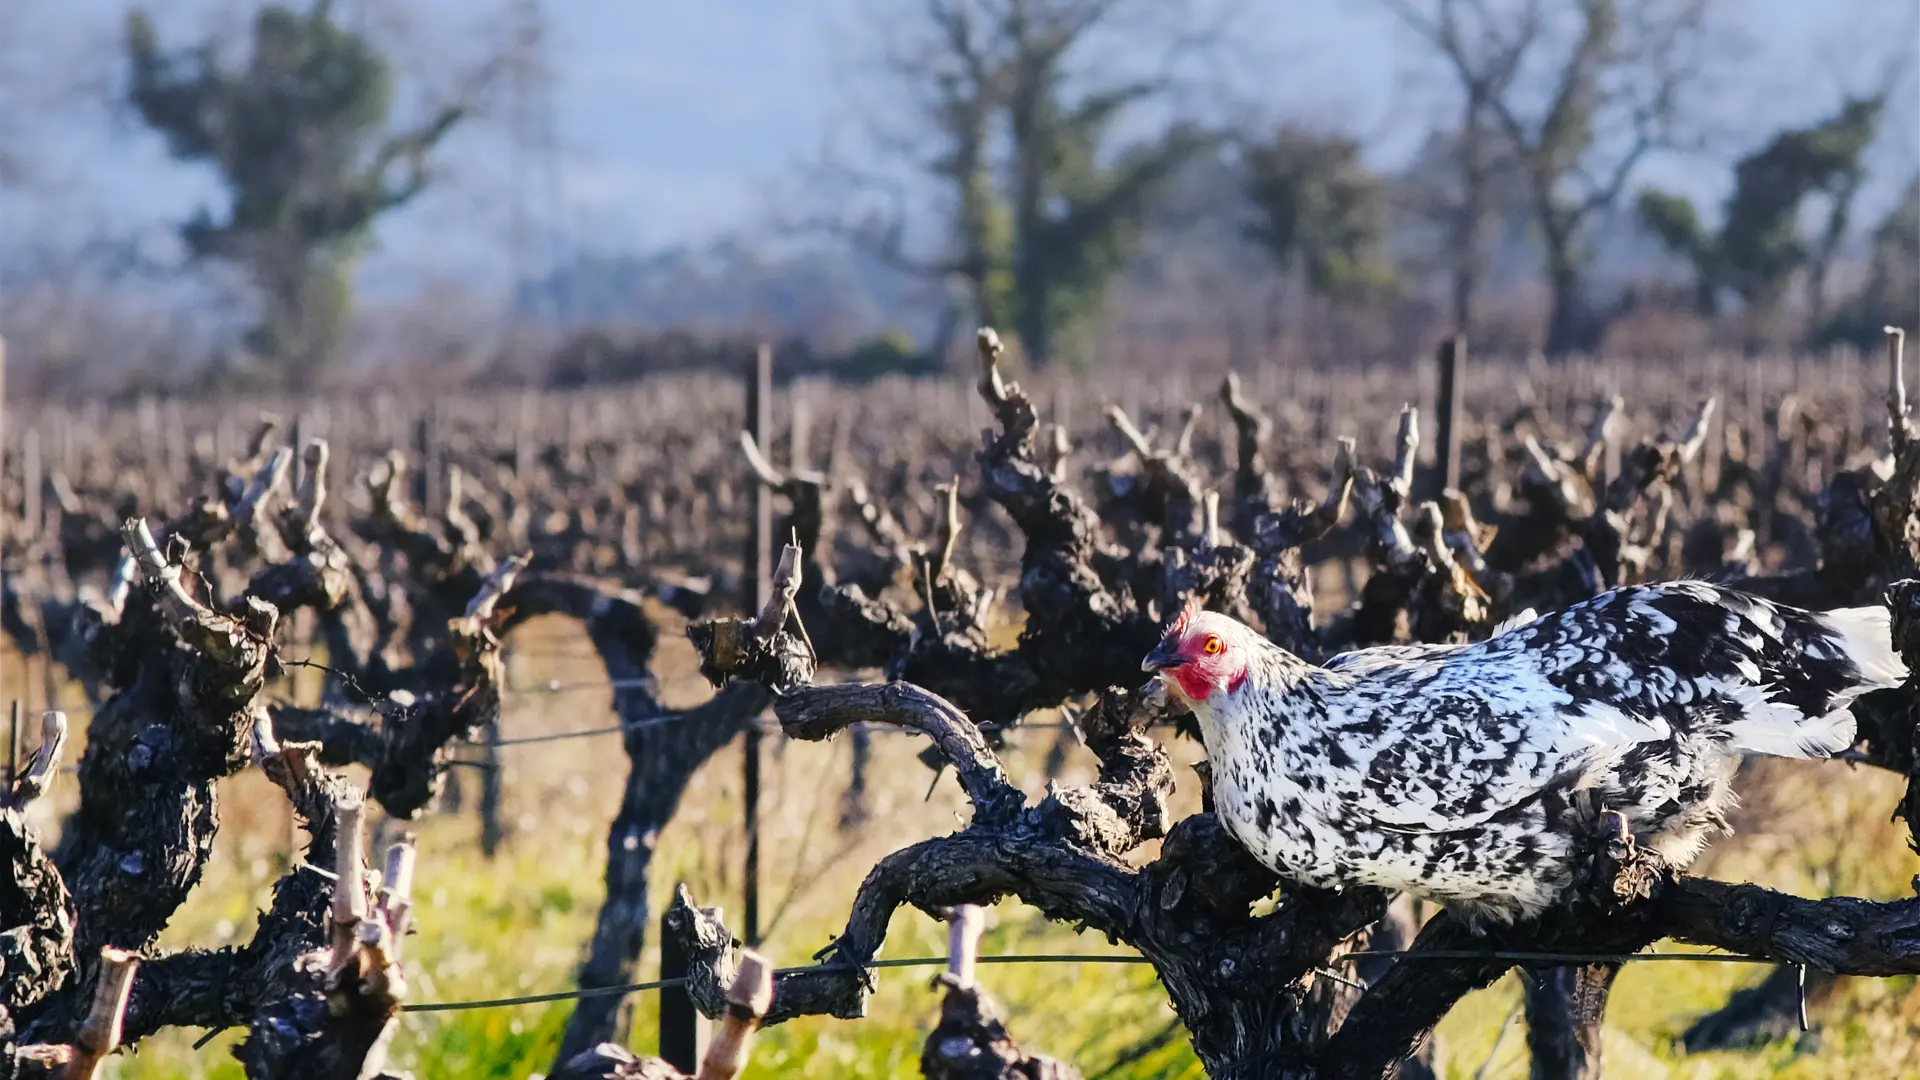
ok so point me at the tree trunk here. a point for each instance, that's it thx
(1276, 296)
(664, 758)
(1470, 218)
(1395, 931)
(856, 802)
(664, 749)
(1566, 329)
(1759, 1014)
(1032, 149)
(1465, 283)
(1565, 1006)
(1031, 322)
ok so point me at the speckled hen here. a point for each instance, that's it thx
(1473, 774)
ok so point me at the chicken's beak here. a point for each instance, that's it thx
(1164, 655)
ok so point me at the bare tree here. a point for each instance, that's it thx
(1579, 91)
(1011, 107)
(1472, 148)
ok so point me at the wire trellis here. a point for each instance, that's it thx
(1490, 956)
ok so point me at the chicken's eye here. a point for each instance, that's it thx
(1213, 646)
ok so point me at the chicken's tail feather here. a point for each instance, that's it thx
(1864, 636)
(1783, 731)
(1799, 709)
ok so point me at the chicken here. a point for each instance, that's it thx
(1473, 775)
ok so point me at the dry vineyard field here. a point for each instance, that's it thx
(450, 643)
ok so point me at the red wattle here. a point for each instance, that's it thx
(1193, 682)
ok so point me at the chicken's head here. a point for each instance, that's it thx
(1204, 652)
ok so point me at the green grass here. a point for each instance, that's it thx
(515, 926)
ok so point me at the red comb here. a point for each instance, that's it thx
(1186, 617)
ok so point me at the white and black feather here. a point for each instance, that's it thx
(1471, 773)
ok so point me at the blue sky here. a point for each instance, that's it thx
(679, 120)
